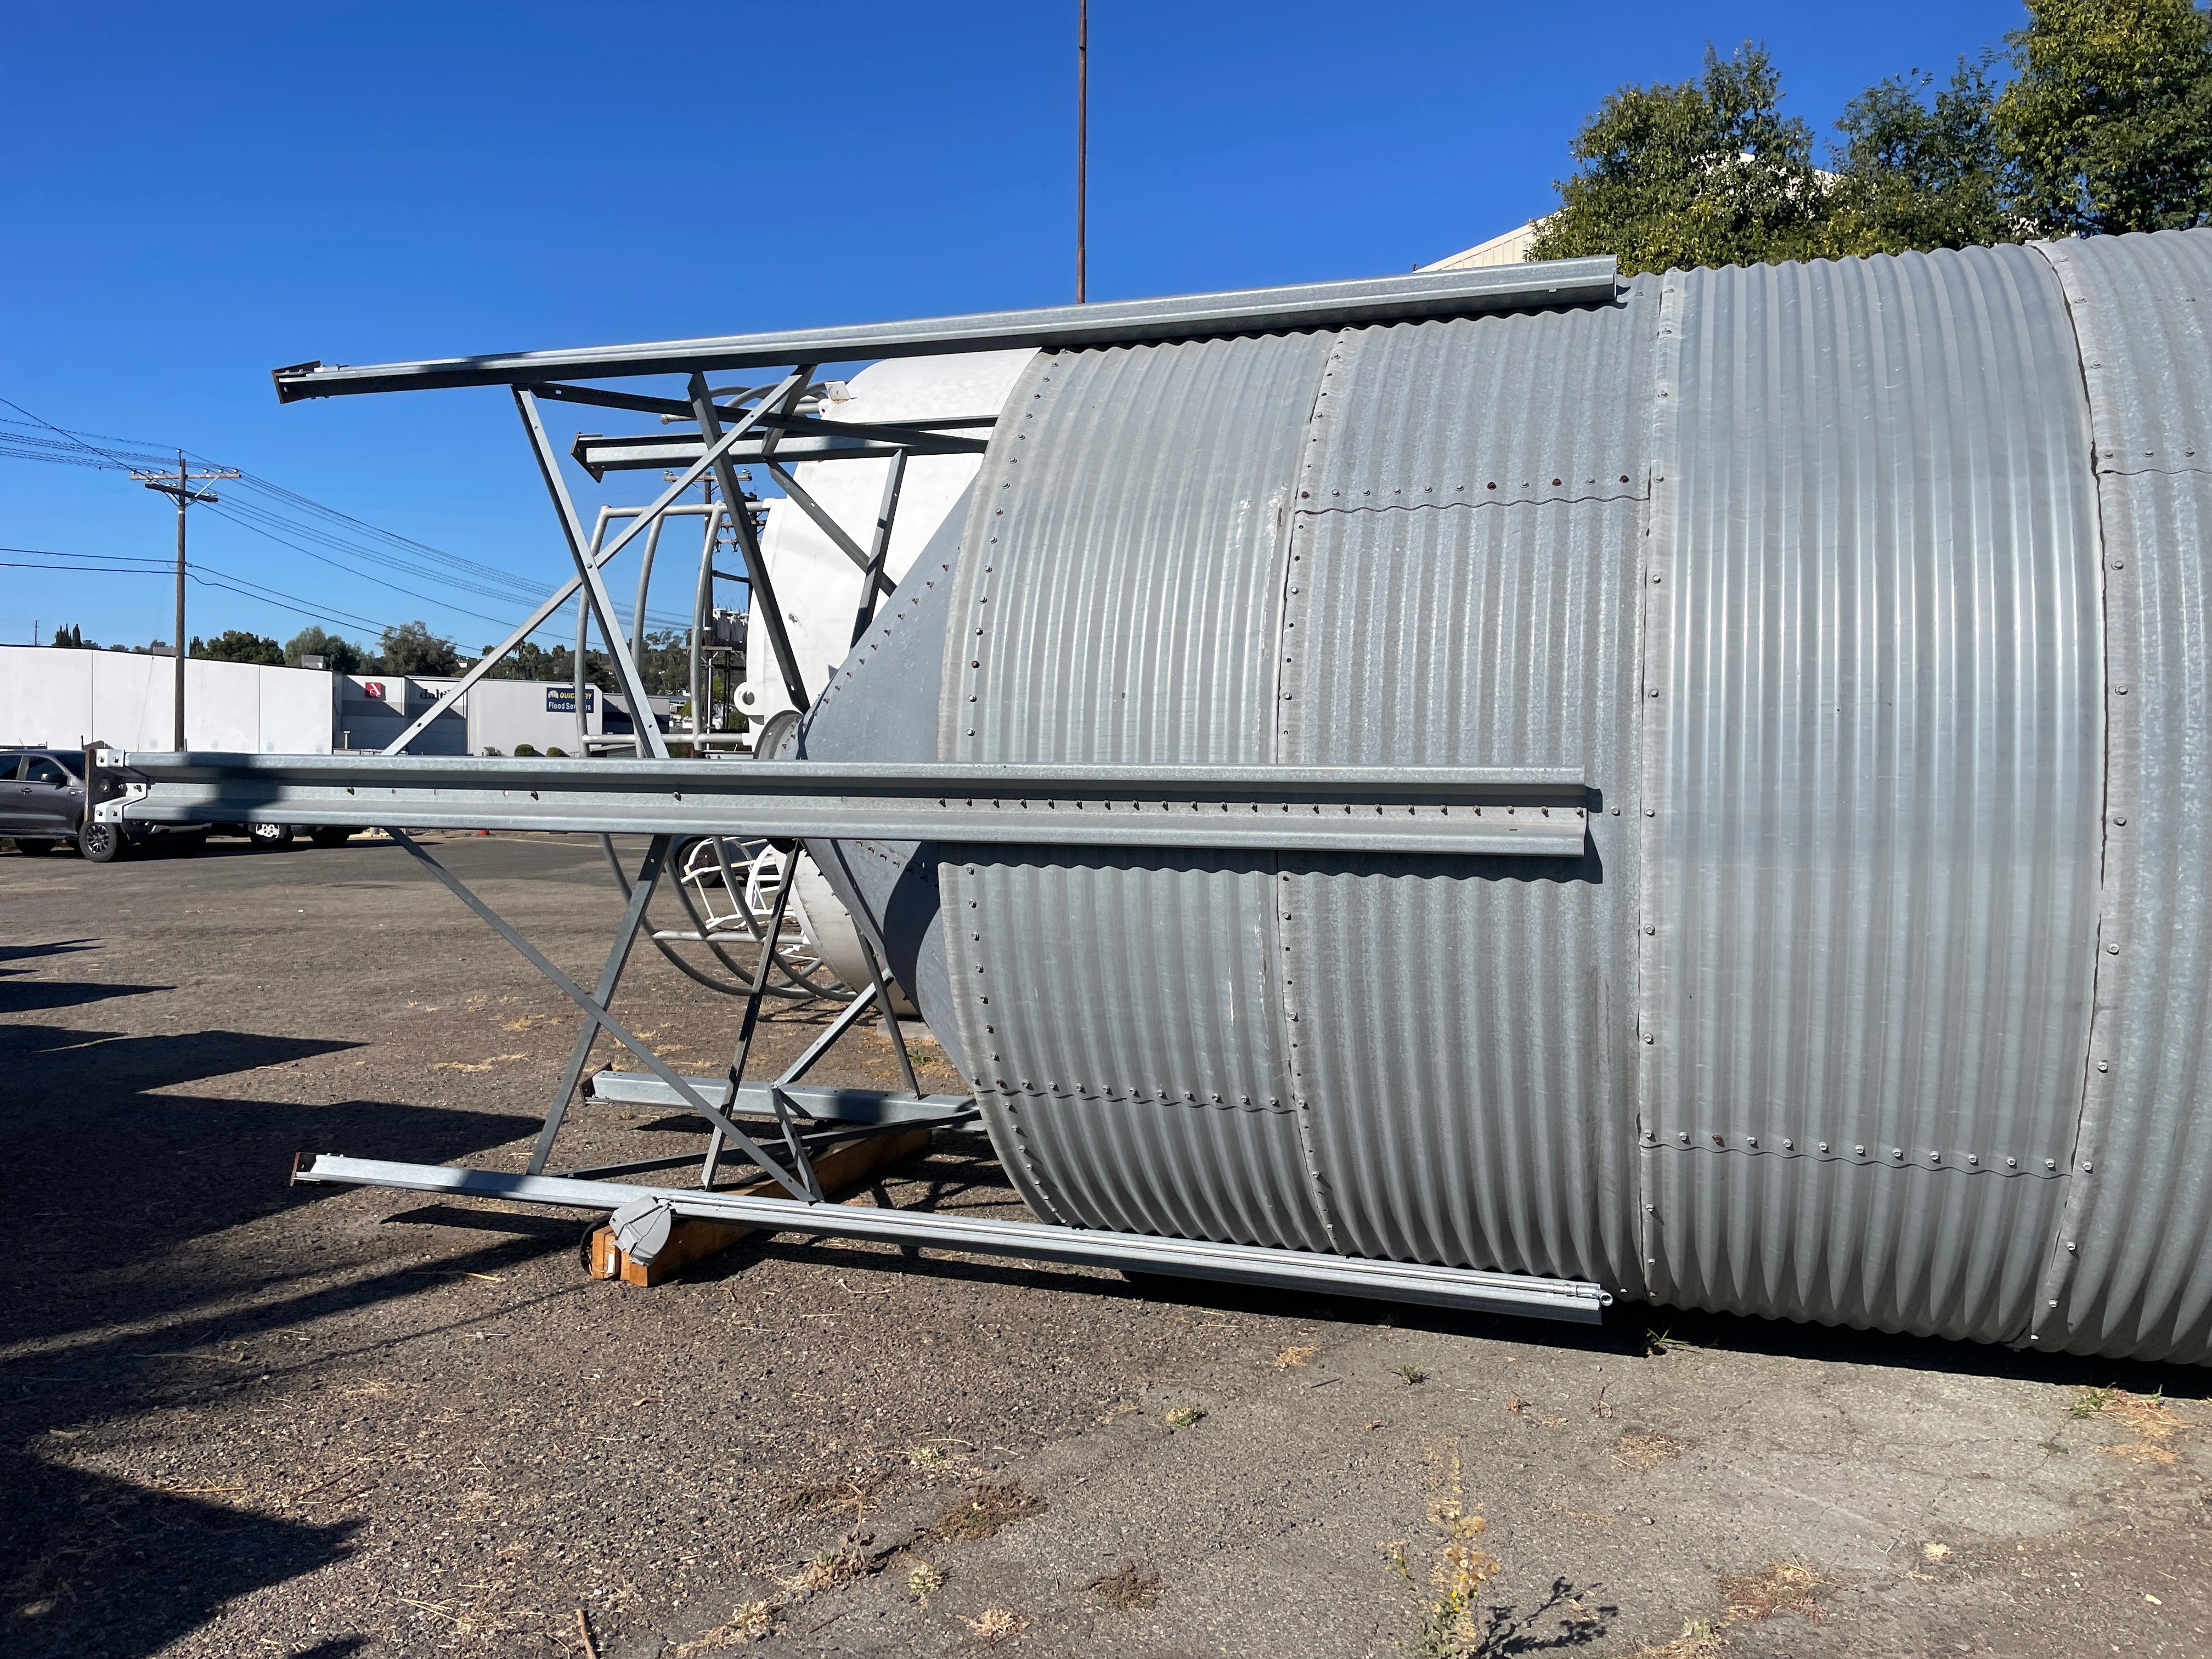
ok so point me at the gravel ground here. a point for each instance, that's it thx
(242, 1418)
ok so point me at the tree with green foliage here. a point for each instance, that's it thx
(1915, 172)
(2107, 124)
(339, 655)
(1707, 173)
(412, 648)
(2104, 125)
(240, 645)
(69, 637)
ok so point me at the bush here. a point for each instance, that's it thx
(526, 750)
(559, 754)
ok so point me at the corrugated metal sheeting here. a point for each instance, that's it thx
(2131, 1270)
(1873, 758)
(1801, 565)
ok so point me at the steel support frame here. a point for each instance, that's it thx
(597, 1016)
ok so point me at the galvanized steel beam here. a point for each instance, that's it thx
(824, 1103)
(1530, 812)
(1240, 1264)
(1053, 328)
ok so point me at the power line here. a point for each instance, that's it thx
(354, 537)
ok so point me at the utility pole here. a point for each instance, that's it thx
(179, 484)
(1082, 132)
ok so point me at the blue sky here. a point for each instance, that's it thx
(194, 196)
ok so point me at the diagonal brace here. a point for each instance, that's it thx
(649, 878)
(615, 1029)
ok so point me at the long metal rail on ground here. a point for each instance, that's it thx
(1237, 1264)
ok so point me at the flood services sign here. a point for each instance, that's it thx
(562, 699)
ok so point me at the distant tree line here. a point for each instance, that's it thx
(412, 649)
(2094, 118)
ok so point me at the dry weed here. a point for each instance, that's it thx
(1445, 1626)
(2148, 1417)
(752, 1622)
(991, 1505)
(1292, 1359)
(1125, 1589)
(924, 1582)
(1699, 1640)
(1784, 1586)
(831, 1567)
(2140, 1451)
(995, 1624)
(1645, 1449)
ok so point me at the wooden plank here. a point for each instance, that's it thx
(691, 1239)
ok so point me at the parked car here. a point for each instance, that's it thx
(42, 805)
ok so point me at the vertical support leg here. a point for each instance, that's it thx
(763, 608)
(751, 1020)
(595, 587)
(890, 1016)
(648, 877)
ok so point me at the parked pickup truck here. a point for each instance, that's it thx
(42, 805)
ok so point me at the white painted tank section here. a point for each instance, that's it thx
(818, 587)
(59, 698)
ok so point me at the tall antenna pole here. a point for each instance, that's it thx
(179, 484)
(178, 745)
(1082, 131)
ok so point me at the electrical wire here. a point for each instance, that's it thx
(353, 536)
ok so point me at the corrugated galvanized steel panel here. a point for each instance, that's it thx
(1462, 588)
(2131, 1273)
(1118, 600)
(1874, 740)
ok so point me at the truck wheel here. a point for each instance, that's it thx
(32, 846)
(329, 836)
(100, 843)
(269, 835)
(186, 846)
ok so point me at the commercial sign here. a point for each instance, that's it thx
(562, 699)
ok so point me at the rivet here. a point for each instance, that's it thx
(2049, 1163)
(1651, 811)
(1681, 1134)
(2122, 689)
(2070, 1245)
(1650, 930)
(2112, 950)
(1859, 1151)
(2104, 1066)
(1974, 1158)
(2088, 1167)
(2054, 1304)
(2012, 1164)
(1824, 1145)
(1648, 1039)
(1787, 1146)
(1750, 1141)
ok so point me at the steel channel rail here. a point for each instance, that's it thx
(824, 1103)
(1123, 322)
(1465, 1289)
(1468, 811)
